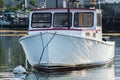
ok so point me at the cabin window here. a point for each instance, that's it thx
(61, 20)
(83, 19)
(41, 20)
(99, 20)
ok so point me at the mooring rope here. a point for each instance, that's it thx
(44, 47)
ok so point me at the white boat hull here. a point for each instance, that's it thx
(52, 49)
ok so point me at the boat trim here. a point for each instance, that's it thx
(72, 29)
(92, 9)
(72, 68)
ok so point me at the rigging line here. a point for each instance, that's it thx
(44, 47)
(41, 39)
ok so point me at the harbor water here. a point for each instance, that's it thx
(12, 55)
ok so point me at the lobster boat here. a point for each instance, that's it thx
(62, 38)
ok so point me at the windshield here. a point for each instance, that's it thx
(41, 20)
(61, 20)
(83, 19)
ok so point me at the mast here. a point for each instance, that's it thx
(68, 14)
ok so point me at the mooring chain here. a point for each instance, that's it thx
(44, 47)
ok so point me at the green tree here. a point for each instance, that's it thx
(12, 0)
(32, 2)
(1, 3)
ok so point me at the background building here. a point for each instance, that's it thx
(112, 1)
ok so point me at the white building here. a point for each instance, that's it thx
(53, 3)
(112, 1)
(58, 3)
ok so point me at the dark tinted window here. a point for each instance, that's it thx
(99, 20)
(61, 19)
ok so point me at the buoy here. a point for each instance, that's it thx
(19, 70)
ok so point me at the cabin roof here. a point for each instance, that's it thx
(92, 9)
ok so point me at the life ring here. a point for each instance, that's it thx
(5, 18)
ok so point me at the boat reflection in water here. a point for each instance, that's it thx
(100, 73)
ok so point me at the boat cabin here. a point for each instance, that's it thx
(66, 19)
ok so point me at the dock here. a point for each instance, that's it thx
(11, 76)
(111, 34)
(24, 33)
(6, 75)
(13, 32)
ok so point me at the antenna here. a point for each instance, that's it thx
(45, 3)
(25, 4)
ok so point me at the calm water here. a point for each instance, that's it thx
(12, 55)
